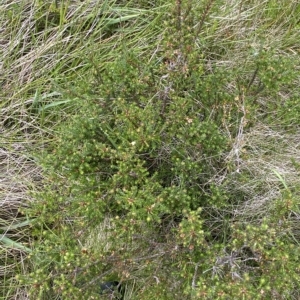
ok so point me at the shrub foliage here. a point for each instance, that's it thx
(143, 150)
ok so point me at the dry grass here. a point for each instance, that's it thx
(17, 175)
(263, 151)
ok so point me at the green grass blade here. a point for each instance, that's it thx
(53, 104)
(281, 179)
(12, 244)
(16, 226)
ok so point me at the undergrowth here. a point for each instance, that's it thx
(161, 142)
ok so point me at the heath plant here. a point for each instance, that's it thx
(166, 165)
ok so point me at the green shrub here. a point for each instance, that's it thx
(143, 147)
